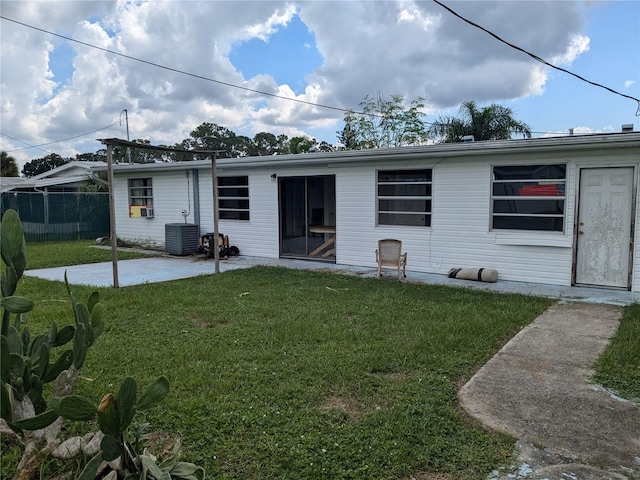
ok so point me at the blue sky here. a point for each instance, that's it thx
(330, 53)
(288, 55)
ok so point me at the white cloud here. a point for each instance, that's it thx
(629, 83)
(578, 45)
(265, 29)
(406, 47)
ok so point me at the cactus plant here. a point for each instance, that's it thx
(115, 414)
(25, 360)
(25, 367)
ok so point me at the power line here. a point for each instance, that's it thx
(176, 70)
(55, 141)
(20, 149)
(537, 58)
(306, 102)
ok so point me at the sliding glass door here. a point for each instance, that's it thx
(307, 217)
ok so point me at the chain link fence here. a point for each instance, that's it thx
(49, 217)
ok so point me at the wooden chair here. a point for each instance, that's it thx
(389, 254)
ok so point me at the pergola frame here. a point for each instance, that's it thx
(116, 142)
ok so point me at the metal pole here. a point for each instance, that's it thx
(126, 121)
(214, 182)
(112, 217)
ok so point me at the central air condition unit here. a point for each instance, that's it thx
(146, 212)
(181, 238)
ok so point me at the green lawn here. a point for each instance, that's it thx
(293, 374)
(280, 373)
(60, 254)
(619, 367)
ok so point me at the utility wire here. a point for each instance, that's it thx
(306, 102)
(55, 141)
(537, 58)
(194, 75)
(21, 141)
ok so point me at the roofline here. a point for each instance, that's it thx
(441, 150)
(72, 164)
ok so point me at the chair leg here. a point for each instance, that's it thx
(379, 271)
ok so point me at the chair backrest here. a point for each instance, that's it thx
(389, 251)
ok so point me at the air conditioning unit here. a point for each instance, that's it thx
(146, 212)
(181, 238)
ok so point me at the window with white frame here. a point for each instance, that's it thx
(140, 197)
(404, 197)
(233, 198)
(528, 197)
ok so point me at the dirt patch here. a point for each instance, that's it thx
(352, 408)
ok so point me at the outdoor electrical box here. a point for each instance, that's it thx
(181, 238)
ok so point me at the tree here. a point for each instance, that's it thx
(99, 156)
(264, 143)
(493, 122)
(44, 164)
(210, 136)
(138, 155)
(384, 123)
(300, 145)
(8, 166)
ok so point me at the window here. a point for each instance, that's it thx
(140, 197)
(528, 197)
(404, 197)
(233, 198)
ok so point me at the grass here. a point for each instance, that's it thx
(618, 368)
(295, 374)
(280, 373)
(60, 254)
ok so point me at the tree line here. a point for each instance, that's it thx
(380, 123)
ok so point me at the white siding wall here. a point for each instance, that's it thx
(170, 197)
(257, 237)
(459, 236)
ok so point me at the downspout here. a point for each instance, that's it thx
(196, 197)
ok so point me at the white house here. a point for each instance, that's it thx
(560, 211)
(65, 178)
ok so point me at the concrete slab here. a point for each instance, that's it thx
(161, 268)
(537, 389)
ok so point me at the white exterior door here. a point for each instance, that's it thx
(604, 227)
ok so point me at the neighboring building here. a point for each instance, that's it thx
(65, 178)
(560, 211)
(51, 206)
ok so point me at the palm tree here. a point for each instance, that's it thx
(494, 122)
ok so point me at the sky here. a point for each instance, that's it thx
(59, 96)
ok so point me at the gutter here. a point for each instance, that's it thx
(425, 152)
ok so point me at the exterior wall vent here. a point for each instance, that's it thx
(627, 127)
(181, 238)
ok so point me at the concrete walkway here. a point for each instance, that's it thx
(537, 389)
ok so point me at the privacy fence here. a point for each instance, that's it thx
(48, 217)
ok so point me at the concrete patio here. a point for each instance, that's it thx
(161, 268)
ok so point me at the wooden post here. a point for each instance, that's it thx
(214, 182)
(112, 217)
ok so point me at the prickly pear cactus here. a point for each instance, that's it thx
(25, 365)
